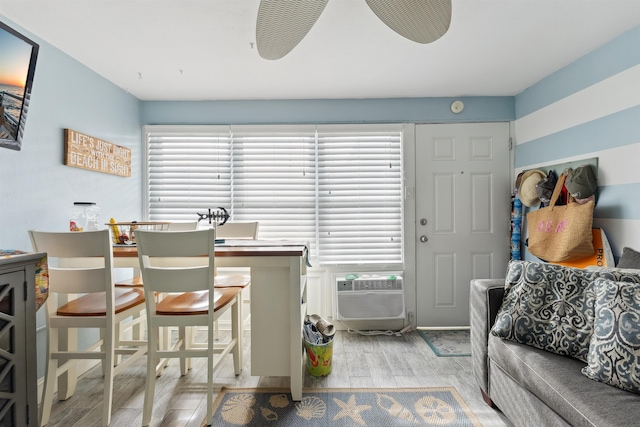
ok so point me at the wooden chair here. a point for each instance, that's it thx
(101, 306)
(136, 324)
(233, 278)
(236, 277)
(180, 265)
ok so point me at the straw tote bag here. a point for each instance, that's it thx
(561, 233)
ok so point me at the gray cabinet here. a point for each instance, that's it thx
(18, 376)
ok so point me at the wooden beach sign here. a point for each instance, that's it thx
(91, 153)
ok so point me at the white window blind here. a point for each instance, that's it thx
(274, 180)
(187, 171)
(337, 186)
(359, 198)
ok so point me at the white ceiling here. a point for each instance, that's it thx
(205, 49)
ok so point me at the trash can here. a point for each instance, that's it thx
(319, 358)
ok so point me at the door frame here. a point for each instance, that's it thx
(409, 227)
(410, 236)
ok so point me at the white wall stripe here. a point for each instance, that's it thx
(620, 233)
(609, 96)
(618, 165)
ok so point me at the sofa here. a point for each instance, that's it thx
(535, 371)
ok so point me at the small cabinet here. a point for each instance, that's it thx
(18, 365)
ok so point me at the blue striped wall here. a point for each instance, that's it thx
(591, 108)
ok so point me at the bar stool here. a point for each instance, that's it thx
(173, 264)
(102, 306)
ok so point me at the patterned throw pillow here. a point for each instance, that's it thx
(614, 353)
(551, 307)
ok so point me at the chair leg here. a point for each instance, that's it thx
(165, 339)
(152, 362)
(67, 339)
(50, 376)
(236, 333)
(47, 393)
(138, 328)
(211, 343)
(108, 364)
(246, 311)
(184, 334)
(119, 331)
(189, 341)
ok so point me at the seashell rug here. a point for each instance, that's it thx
(342, 407)
(448, 343)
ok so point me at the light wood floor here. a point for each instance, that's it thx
(358, 361)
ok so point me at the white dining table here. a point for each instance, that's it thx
(278, 301)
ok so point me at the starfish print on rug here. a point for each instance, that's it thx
(351, 410)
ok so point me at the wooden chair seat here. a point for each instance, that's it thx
(194, 303)
(95, 304)
(131, 282)
(232, 280)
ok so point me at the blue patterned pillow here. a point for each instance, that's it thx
(614, 353)
(551, 307)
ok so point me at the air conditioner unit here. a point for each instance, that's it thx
(369, 297)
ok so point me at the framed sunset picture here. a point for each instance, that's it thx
(18, 57)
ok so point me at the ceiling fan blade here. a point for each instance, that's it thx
(422, 21)
(281, 25)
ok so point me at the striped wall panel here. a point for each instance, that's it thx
(591, 108)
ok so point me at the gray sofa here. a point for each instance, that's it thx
(534, 387)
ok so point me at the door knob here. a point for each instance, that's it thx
(423, 239)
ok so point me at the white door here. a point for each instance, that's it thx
(462, 213)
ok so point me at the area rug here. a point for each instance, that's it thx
(448, 343)
(379, 407)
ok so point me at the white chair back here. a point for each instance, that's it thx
(237, 230)
(65, 251)
(164, 260)
(183, 226)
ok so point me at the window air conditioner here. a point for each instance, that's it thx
(371, 296)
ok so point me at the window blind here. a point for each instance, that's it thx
(274, 180)
(187, 171)
(339, 187)
(359, 198)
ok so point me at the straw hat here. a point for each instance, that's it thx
(527, 192)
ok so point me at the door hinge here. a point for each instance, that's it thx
(510, 143)
(25, 290)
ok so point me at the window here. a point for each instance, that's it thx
(187, 171)
(337, 186)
